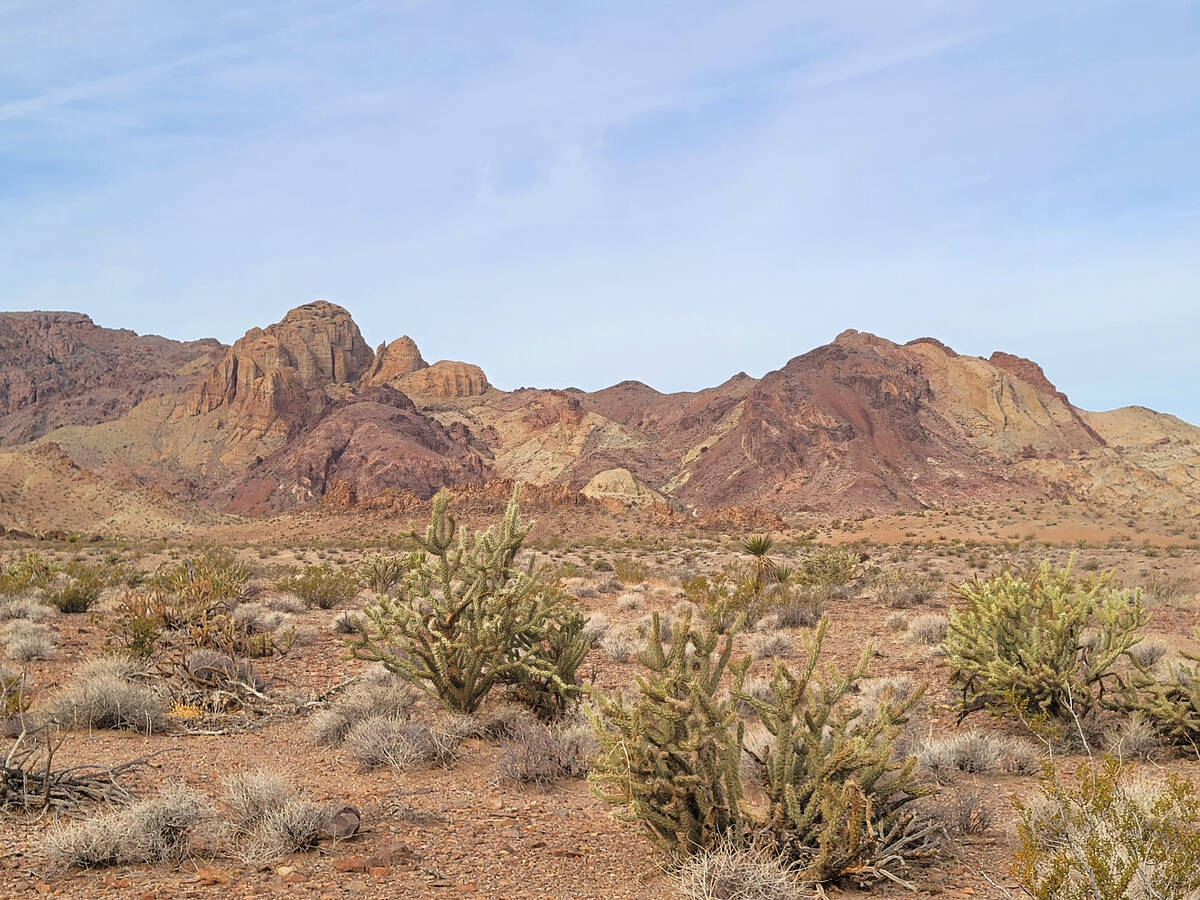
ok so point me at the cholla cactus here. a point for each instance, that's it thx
(1043, 644)
(669, 756)
(1169, 701)
(463, 619)
(839, 801)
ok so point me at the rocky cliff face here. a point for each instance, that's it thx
(60, 368)
(303, 410)
(275, 380)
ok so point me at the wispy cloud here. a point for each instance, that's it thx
(665, 191)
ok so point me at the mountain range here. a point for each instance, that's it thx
(304, 413)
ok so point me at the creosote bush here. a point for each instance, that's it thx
(1106, 837)
(465, 620)
(323, 587)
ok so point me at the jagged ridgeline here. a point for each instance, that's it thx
(304, 411)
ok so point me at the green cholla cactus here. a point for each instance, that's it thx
(1042, 644)
(1104, 839)
(669, 756)
(1169, 703)
(463, 619)
(839, 800)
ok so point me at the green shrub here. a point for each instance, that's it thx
(1108, 839)
(830, 566)
(1042, 644)
(75, 591)
(464, 620)
(321, 586)
(630, 570)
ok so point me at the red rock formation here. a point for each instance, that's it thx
(273, 380)
(60, 368)
(393, 361)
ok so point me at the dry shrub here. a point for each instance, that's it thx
(978, 752)
(801, 607)
(1133, 738)
(25, 607)
(25, 641)
(379, 694)
(619, 647)
(772, 646)
(268, 816)
(595, 628)
(163, 828)
(970, 814)
(901, 589)
(347, 622)
(104, 695)
(896, 622)
(1149, 651)
(385, 741)
(927, 630)
(541, 754)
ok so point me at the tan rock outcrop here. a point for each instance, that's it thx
(446, 379)
(393, 361)
(272, 380)
(620, 485)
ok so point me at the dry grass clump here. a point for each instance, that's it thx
(386, 741)
(732, 872)
(970, 814)
(25, 607)
(757, 687)
(540, 754)
(772, 646)
(873, 691)
(1149, 651)
(901, 589)
(270, 818)
(257, 618)
(595, 628)
(378, 694)
(104, 694)
(346, 622)
(1134, 738)
(801, 607)
(896, 622)
(979, 752)
(927, 630)
(25, 641)
(160, 829)
(630, 602)
(618, 646)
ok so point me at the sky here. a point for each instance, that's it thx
(573, 194)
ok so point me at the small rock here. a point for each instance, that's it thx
(341, 822)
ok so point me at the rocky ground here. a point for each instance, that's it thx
(464, 828)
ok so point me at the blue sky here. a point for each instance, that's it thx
(578, 193)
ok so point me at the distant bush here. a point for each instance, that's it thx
(75, 590)
(901, 589)
(830, 566)
(381, 573)
(323, 587)
(25, 641)
(630, 571)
